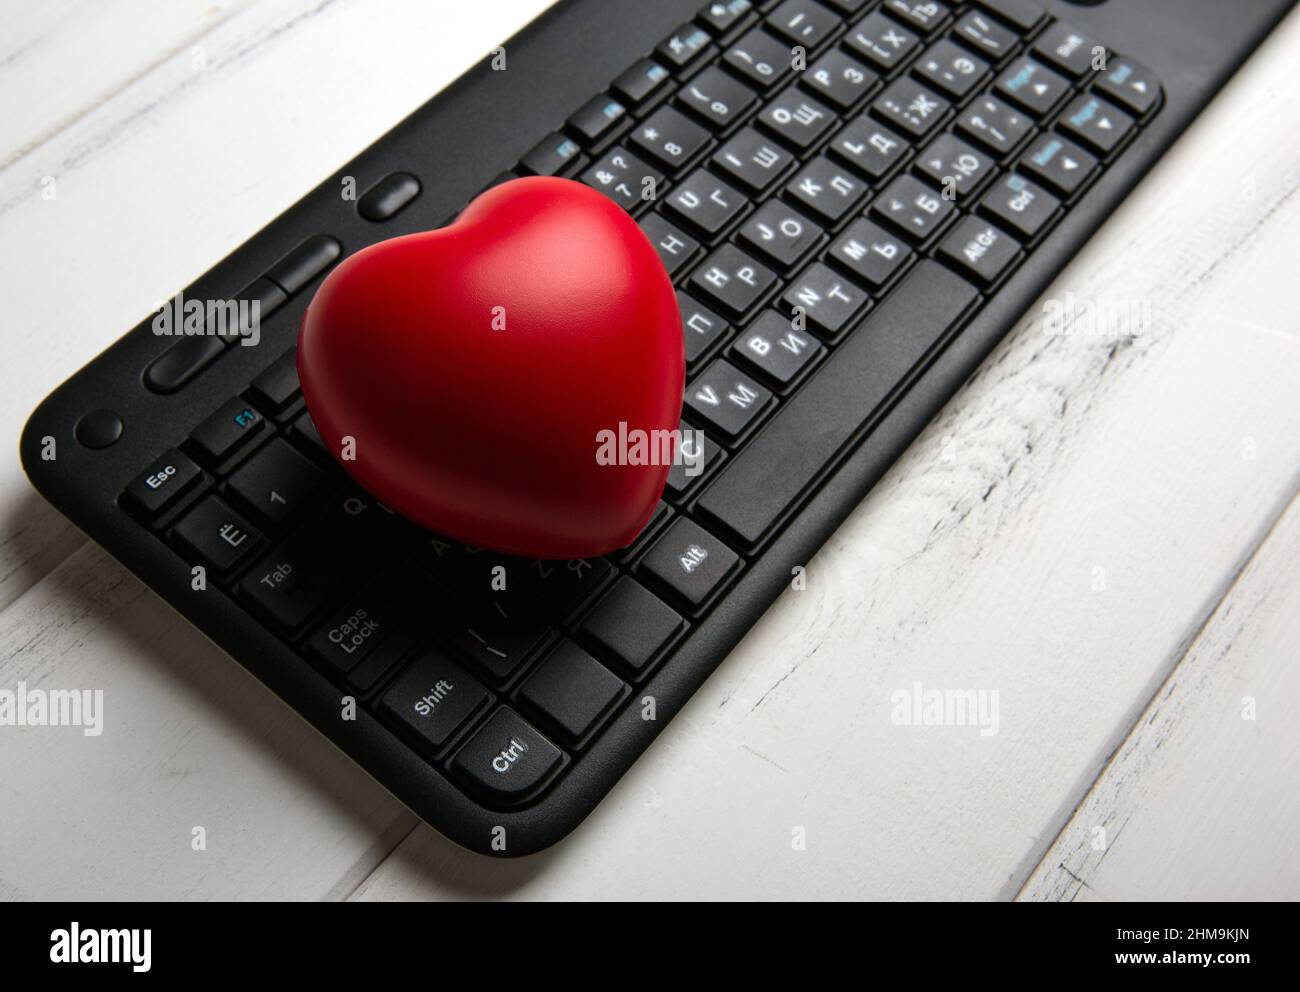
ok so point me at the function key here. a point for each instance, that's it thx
(881, 41)
(182, 362)
(554, 155)
(839, 80)
(669, 137)
(162, 483)
(716, 98)
(724, 16)
(278, 384)
(803, 22)
(434, 698)
(760, 59)
(701, 326)
(641, 83)
(706, 202)
(752, 161)
(830, 303)
(871, 148)
(995, 125)
(1023, 208)
(573, 691)
(683, 47)
(675, 247)
(726, 400)
(1096, 123)
(797, 120)
(1059, 164)
(1070, 50)
(296, 580)
(980, 250)
(871, 253)
(774, 349)
(985, 35)
(951, 163)
(227, 430)
(597, 119)
(305, 263)
(689, 564)
(780, 234)
(1130, 84)
(916, 210)
(732, 279)
(951, 69)
(631, 627)
(276, 481)
(911, 107)
(827, 191)
(388, 197)
(1032, 85)
(1024, 14)
(926, 16)
(217, 535)
(507, 759)
(625, 179)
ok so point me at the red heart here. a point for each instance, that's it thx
(475, 367)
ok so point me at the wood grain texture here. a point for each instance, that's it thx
(972, 566)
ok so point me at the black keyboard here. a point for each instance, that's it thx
(855, 200)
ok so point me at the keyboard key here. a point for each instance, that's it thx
(674, 246)
(716, 98)
(1024, 14)
(982, 251)
(276, 481)
(296, 580)
(1060, 165)
(625, 179)
(797, 120)
(702, 328)
(775, 350)
(573, 691)
(434, 698)
(1130, 84)
(304, 431)
(278, 385)
(752, 161)
(1096, 123)
(726, 400)
(641, 83)
(1032, 86)
(732, 280)
(748, 497)
(780, 234)
(554, 589)
(826, 190)
(847, 7)
(669, 137)
(871, 253)
(631, 627)
(507, 759)
(496, 643)
(926, 16)
(911, 107)
(391, 650)
(1069, 50)
(839, 80)
(388, 197)
(830, 302)
(554, 155)
(223, 433)
(217, 535)
(760, 59)
(162, 483)
(182, 362)
(296, 270)
(985, 35)
(348, 636)
(1023, 208)
(706, 202)
(872, 149)
(597, 119)
(724, 16)
(915, 209)
(951, 163)
(881, 42)
(689, 564)
(661, 513)
(994, 124)
(803, 22)
(683, 47)
(700, 454)
(951, 69)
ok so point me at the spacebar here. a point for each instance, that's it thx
(754, 490)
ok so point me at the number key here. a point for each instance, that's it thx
(716, 98)
(624, 178)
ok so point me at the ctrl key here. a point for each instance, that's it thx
(507, 759)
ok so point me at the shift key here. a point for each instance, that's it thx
(762, 482)
(434, 698)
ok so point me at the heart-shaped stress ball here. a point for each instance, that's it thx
(488, 380)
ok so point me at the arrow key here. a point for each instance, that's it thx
(276, 481)
(1096, 123)
(1058, 164)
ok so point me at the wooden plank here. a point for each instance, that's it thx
(1202, 802)
(1059, 535)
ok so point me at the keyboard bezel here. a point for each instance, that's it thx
(498, 116)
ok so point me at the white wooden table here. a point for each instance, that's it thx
(1101, 527)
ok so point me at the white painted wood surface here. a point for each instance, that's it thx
(1062, 534)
